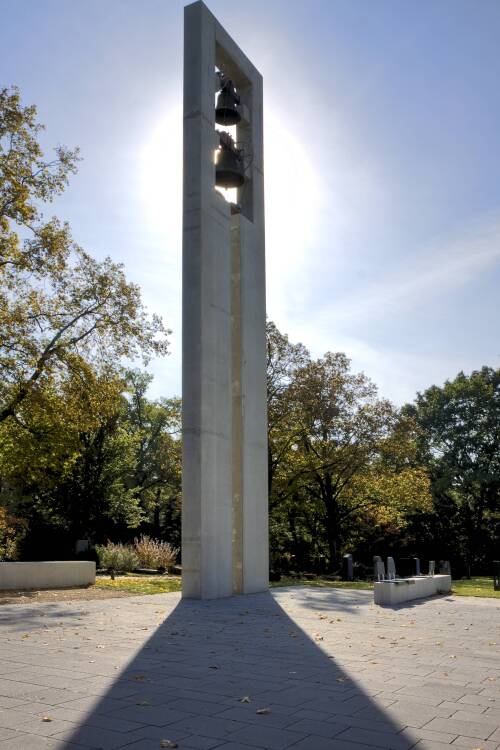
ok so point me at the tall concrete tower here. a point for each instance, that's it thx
(224, 486)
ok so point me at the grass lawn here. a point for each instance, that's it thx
(476, 587)
(147, 584)
(140, 584)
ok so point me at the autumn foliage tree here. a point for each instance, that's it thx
(342, 459)
(67, 320)
(123, 475)
(63, 314)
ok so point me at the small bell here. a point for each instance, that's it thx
(229, 169)
(226, 108)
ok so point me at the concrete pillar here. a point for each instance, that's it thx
(224, 515)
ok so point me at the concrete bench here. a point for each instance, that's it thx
(401, 590)
(46, 575)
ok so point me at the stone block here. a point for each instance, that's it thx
(46, 575)
(403, 590)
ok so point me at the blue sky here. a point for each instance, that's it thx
(382, 132)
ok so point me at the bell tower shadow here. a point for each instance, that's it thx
(234, 673)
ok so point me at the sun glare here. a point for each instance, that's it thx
(292, 189)
(293, 194)
(160, 176)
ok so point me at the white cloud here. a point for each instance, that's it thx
(445, 265)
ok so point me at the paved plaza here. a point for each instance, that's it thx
(312, 669)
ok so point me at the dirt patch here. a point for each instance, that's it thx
(61, 595)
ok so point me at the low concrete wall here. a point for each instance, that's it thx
(46, 575)
(406, 589)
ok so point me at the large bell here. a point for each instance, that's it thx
(229, 170)
(226, 107)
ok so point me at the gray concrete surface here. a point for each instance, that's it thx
(303, 668)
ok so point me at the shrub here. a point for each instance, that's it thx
(153, 553)
(117, 557)
(12, 531)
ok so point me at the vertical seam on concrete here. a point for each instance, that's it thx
(237, 424)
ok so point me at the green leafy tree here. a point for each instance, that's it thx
(344, 465)
(105, 479)
(339, 465)
(284, 359)
(460, 443)
(287, 531)
(157, 468)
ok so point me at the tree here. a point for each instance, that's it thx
(61, 311)
(41, 443)
(340, 463)
(283, 361)
(460, 444)
(157, 472)
(66, 323)
(343, 464)
(109, 477)
(286, 529)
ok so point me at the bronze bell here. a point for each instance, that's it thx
(226, 108)
(229, 169)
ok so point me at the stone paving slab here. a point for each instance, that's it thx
(302, 668)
